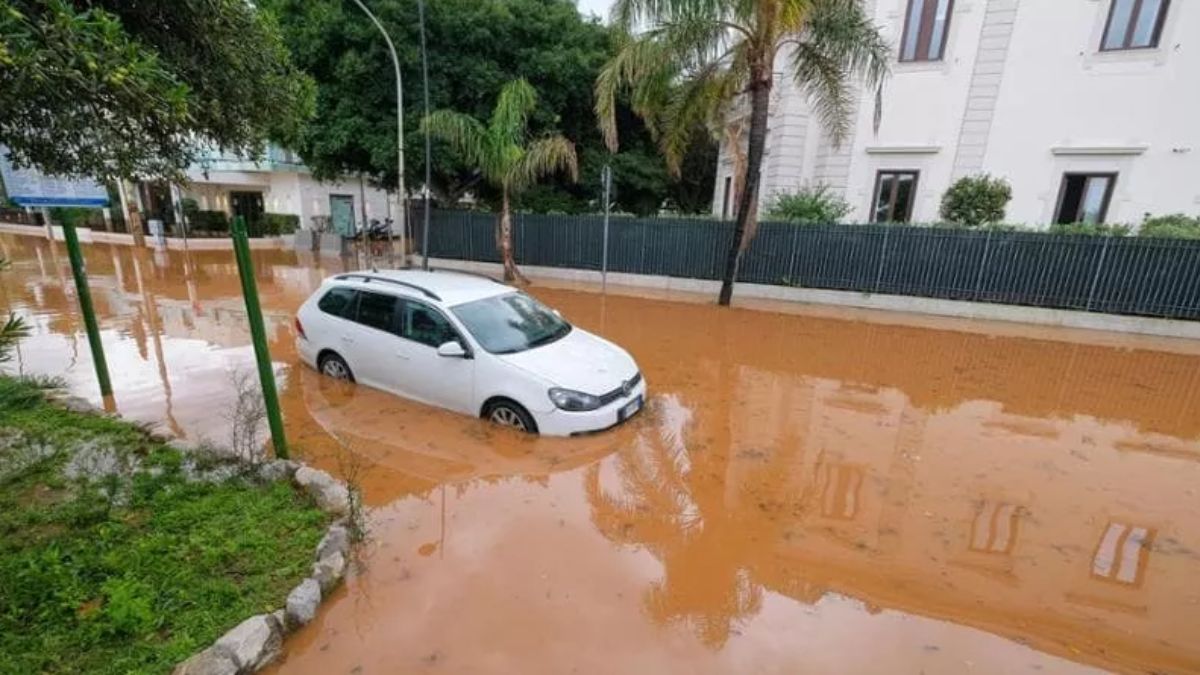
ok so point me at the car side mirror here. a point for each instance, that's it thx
(452, 350)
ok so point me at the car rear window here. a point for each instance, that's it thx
(337, 302)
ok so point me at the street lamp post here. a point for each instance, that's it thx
(425, 86)
(400, 194)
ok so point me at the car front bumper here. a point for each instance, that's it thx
(564, 423)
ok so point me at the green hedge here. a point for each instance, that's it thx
(209, 221)
(275, 224)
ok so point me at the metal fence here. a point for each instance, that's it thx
(1116, 275)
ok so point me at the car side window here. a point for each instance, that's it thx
(377, 310)
(421, 323)
(338, 302)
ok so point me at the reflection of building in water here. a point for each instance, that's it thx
(839, 486)
(1122, 553)
(994, 529)
(961, 513)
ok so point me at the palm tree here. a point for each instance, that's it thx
(687, 62)
(503, 154)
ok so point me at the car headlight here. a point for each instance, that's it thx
(574, 401)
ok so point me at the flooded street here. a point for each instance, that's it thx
(809, 490)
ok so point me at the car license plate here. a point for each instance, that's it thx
(630, 409)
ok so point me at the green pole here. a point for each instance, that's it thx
(258, 334)
(85, 306)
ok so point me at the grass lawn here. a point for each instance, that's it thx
(112, 561)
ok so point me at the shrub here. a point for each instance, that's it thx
(1093, 229)
(975, 200)
(209, 221)
(275, 224)
(1174, 226)
(817, 204)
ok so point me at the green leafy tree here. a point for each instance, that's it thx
(686, 61)
(118, 89)
(475, 46)
(976, 200)
(504, 155)
(816, 204)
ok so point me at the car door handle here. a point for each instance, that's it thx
(402, 355)
(347, 339)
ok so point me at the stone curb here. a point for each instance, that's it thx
(258, 641)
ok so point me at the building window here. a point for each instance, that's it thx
(926, 25)
(1134, 24)
(1084, 197)
(894, 195)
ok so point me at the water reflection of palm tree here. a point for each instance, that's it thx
(670, 503)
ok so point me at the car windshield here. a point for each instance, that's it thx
(507, 324)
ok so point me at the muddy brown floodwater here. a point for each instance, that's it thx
(810, 491)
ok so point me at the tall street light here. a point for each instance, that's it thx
(399, 124)
(425, 83)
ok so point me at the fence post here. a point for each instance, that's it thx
(604, 248)
(642, 259)
(85, 306)
(258, 335)
(983, 260)
(1096, 274)
(882, 258)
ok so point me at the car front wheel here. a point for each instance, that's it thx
(510, 414)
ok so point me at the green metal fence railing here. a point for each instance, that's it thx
(1115, 275)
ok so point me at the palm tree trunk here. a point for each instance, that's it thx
(504, 240)
(760, 99)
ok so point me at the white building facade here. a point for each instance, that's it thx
(281, 183)
(1089, 108)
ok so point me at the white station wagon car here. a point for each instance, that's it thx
(469, 344)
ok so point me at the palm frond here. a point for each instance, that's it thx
(543, 157)
(838, 45)
(644, 67)
(12, 330)
(465, 134)
(700, 102)
(634, 15)
(511, 114)
(792, 15)
(683, 47)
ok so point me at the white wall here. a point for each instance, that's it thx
(308, 197)
(1059, 91)
(922, 113)
(1023, 93)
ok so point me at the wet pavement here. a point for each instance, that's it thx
(809, 491)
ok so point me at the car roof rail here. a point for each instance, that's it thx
(372, 277)
(468, 273)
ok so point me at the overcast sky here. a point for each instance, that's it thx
(597, 7)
